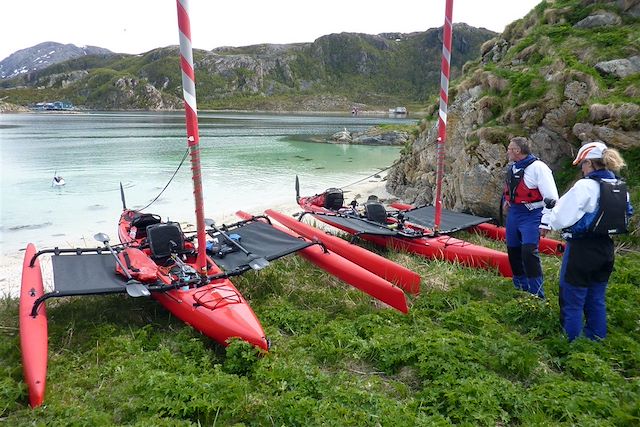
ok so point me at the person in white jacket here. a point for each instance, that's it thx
(528, 182)
(596, 207)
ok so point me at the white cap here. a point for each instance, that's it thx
(590, 150)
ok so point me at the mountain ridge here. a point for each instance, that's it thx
(335, 72)
(43, 55)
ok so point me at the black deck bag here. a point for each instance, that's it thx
(142, 221)
(333, 198)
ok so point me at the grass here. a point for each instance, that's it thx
(471, 351)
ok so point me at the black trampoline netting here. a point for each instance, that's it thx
(450, 221)
(261, 240)
(86, 274)
(357, 225)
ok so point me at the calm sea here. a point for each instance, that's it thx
(248, 161)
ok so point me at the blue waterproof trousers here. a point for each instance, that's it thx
(523, 237)
(590, 266)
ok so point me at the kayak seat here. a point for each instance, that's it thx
(375, 212)
(142, 221)
(165, 239)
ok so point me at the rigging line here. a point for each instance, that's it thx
(171, 179)
(367, 177)
(382, 170)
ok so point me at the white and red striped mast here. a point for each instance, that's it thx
(193, 138)
(447, 35)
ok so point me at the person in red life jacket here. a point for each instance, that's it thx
(528, 182)
(596, 207)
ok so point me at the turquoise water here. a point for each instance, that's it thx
(248, 161)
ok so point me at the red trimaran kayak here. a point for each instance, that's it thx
(443, 247)
(214, 307)
(217, 309)
(437, 246)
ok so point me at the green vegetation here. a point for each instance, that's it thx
(471, 351)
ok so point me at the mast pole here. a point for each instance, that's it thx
(193, 138)
(447, 35)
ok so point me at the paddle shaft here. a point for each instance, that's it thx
(124, 269)
(233, 242)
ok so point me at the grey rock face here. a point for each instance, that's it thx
(599, 19)
(620, 68)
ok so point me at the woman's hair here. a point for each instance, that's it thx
(611, 159)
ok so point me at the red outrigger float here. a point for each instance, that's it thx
(347, 271)
(383, 267)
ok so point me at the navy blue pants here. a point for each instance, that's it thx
(523, 237)
(584, 275)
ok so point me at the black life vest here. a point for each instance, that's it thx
(515, 190)
(611, 217)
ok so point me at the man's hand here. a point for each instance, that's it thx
(505, 208)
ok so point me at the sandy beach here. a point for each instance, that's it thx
(11, 263)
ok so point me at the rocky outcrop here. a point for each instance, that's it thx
(620, 68)
(599, 19)
(522, 87)
(342, 137)
(377, 136)
(6, 107)
(372, 136)
(137, 94)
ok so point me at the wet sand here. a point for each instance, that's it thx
(11, 264)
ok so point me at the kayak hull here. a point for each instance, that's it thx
(34, 340)
(217, 309)
(546, 245)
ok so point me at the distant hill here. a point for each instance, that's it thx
(43, 55)
(335, 72)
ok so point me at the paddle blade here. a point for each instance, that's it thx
(101, 237)
(124, 205)
(297, 188)
(258, 263)
(136, 289)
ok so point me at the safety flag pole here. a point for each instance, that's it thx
(447, 35)
(193, 138)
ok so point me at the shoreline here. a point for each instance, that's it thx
(340, 113)
(11, 263)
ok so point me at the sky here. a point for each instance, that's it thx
(137, 26)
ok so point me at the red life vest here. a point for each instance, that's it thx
(516, 191)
